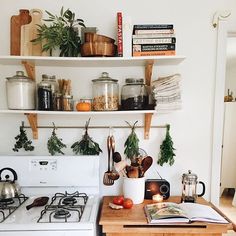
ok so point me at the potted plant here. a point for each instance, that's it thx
(62, 33)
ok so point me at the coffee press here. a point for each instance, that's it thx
(189, 192)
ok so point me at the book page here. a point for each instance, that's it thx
(199, 212)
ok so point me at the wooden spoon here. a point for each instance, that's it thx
(40, 201)
(146, 164)
(116, 157)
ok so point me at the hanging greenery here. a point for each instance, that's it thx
(22, 140)
(132, 144)
(166, 154)
(86, 146)
(55, 144)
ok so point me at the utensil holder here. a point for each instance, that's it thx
(133, 188)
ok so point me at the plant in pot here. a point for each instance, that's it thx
(62, 33)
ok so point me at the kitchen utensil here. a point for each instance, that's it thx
(16, 22)
(40, 201)
(93, 37)
(113, 175)
(29, 32)
(9, 188)
(146, 164)
(106, 180)
(189, 192)
(133, 171)
(120, 167)
(116, 157)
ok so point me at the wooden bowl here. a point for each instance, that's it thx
(98, 49)
(92, 37)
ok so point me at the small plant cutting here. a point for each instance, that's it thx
(166, 154)
(132, 145)
(22, 141)
(86, 146)
(55, 144)
(62, 33)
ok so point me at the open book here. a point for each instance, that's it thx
(168, 212)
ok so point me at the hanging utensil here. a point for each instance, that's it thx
(106, 180)
(40, 201)
(114, 174)
(146, 164)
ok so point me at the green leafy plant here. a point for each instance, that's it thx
(86, 146)
(132, 144)
(55, 144)
(166, 154)
(62, 33)
(22, 141)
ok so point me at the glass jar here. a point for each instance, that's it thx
(67, 103)
(20, 92)
(45, 99)
(105, 93)
(134, 95)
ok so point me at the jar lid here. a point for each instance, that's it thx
(105, 78)
(19, 76)
(134, 81)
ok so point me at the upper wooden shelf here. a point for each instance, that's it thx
(92, 61)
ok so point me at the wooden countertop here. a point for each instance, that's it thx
(135, 217)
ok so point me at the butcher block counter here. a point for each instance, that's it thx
(132, 222)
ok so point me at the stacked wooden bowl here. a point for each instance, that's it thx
(96, 45)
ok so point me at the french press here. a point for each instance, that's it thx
(189, 192)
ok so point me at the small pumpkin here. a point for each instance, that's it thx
(83, 106)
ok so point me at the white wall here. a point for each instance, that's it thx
(191, 128)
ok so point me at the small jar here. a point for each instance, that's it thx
(45, 102)
(57, 102)
(84, 104)
(67, 103)
(20, 92)
(134, 95)
(105, 93)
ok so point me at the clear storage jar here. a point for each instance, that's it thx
(105, 93)
(134, 95)
(45, 99)
(20, 92)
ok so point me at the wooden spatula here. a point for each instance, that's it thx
(40, 201)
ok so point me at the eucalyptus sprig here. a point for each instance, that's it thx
(55, 144)
(86, 146)
(166, 154)
(22, 140)
(132, 143)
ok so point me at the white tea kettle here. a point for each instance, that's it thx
(9, 188)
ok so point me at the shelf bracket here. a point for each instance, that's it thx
(148, 78)
(30, 69)
(32, 118)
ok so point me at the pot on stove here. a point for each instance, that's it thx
(9, 188)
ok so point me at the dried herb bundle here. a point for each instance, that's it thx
(55, 144)
(86, 146)
(166, 154)
(132, 144)
(22, 141)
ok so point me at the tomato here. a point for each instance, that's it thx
(128, 203)
(118, 200)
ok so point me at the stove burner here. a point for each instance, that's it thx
(69, 201)
(6, 202)
(61, 214)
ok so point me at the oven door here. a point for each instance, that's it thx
(49, 233)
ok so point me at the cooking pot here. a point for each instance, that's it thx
(9, 188)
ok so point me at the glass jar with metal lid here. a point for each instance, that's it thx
(45, 99)
(134, 95)
(20, 92)
(105, 93)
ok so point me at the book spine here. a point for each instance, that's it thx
(119, 35)
(154, 53)
(153, 26)
(154, 31)
(155, 40)
(153, 47)
(148, 36)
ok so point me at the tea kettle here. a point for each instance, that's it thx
(189, 191)
(9, 188)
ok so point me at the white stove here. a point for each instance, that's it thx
(70, 182)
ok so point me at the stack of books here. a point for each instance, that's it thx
(153, 40)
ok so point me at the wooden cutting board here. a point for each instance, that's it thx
(29, 32)
(16, 22)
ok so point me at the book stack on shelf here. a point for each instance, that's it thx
(153, 40)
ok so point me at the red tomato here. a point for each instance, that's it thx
(118, 200)
(128, 203)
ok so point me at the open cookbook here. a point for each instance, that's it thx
(168, 212)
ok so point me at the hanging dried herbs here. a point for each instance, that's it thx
(55, 144)
(86, 146)
(22, 141)
(132, 144)
(166, 154)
